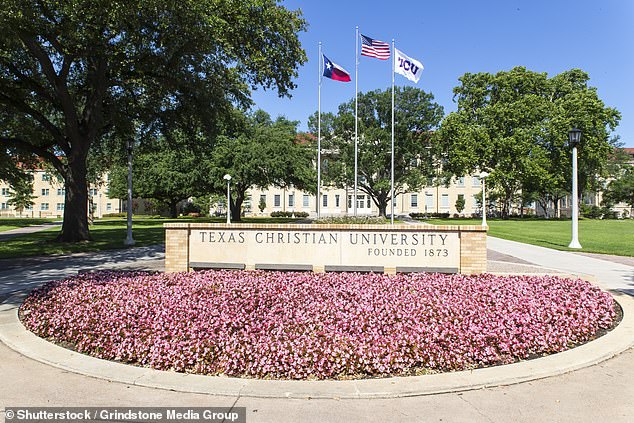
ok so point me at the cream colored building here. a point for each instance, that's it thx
(339, 202)
(49, 195)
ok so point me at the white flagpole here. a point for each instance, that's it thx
(356, 116)
(319, 135)
(392, 181)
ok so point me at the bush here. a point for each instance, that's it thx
(189, 208)
(352, 220)
(114, 215)
(288, 214)
(596, 212)
(429, 215)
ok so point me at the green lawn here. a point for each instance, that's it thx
(106, 234)
(7, 223)
(596, 236)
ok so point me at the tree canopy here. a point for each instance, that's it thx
(263, 153)
(621, 189)
(515, 124)
(162, 171)
(416, 116)
(76, 74)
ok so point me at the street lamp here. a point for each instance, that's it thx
(574, 136)
(483, 176)
(227, 178)
(129, 241)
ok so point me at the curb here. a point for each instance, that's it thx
(621, 338)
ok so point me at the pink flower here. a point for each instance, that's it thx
(308, 325)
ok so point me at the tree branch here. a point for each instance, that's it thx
(35, 114)
(48, 69)
(42, 152)
(30, 83)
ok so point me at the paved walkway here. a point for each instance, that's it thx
(602, 392)
(26, 230)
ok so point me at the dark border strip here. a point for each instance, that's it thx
(406, 269)
(341, 268)
(208, 265)
(281, 266)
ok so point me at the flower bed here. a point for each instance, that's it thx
(318, 326)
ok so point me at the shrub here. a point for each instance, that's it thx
(189, 208)
(352, 220)
(115, 215)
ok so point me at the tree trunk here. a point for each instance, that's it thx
(236, 207)
(75, 225)
(173, 209)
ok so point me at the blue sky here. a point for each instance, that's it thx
(454, 37)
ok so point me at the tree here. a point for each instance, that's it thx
(515, 125)
(263, 153)
(22, 194)
(416, 116)
(164, 172)
(262, 205)
(621, 189)
(76, 74)
(460, 203)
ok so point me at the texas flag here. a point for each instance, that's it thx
(334, 71)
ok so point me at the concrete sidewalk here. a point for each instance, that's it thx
(12, 233)
(599, 393)
(609, 274)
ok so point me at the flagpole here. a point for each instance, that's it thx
(319, 135)
(356, 116)
(392, 180)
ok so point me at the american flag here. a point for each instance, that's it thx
(374, 48)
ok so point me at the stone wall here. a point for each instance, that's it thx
(366, 248)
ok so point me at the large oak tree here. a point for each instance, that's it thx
(75, 74)
(416, 116)
(261, 153)
(515, 125)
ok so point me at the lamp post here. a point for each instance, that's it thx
(483, 176)
(574, 136)
(227, 178)
(128, 240)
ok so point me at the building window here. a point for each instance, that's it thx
(291, 200)
(4, 206)
(306, 200)
(461, 181)
(414, 200)
(475, 181)
(61, 192)
(45, 192)
(429, 201)
(46, 177)
(6, 192)
(60, 206)
(337, 199)
(108, 206)
(325, 200)
(93, 192)
(44, 206)
(368, 202)
(277, 200)
(444, 201)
